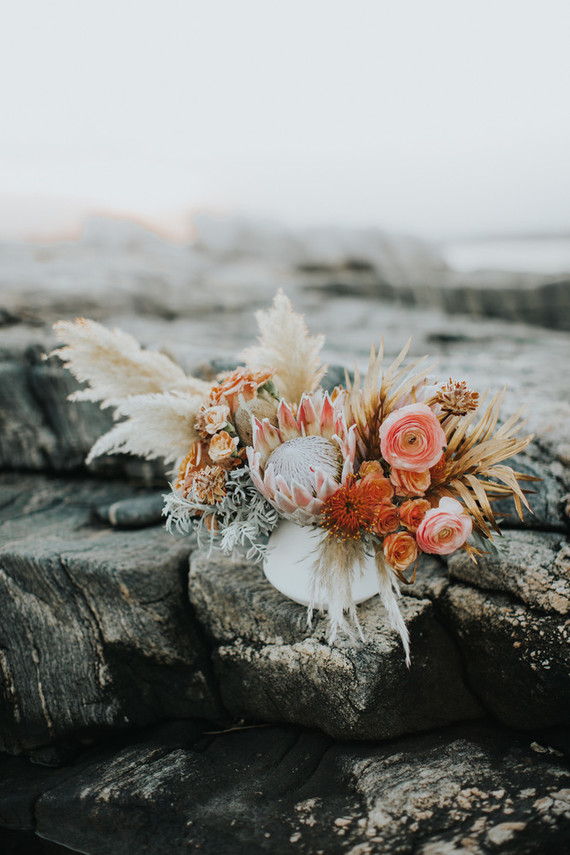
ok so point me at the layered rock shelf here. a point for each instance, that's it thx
(156, 698)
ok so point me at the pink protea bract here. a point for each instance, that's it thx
(305, 459)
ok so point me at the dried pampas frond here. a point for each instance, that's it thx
(389, 594)
(336, 564)
(115, 366)
(160, 425)
(286, 348)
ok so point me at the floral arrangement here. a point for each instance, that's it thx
(391, 466)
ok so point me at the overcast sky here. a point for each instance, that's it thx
(438, 117)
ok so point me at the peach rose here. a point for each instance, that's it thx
(371, 473)
(386, 517)
(411, 438)
(211, 419)
(400, 550)
(412, 512)
(236, 383)
(222, 446)
(410, 483)
(445, 528)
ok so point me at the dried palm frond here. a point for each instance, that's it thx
(115, 366)
(160, 425)
(381, 390)
(286, 348)
(473, 455)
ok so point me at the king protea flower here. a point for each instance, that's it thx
(303, 461)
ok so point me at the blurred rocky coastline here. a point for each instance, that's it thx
(148, 686)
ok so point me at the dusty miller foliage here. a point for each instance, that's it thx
(245, 519)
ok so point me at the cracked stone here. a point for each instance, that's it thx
(96, 630)
(517, 659)
(271, 667)
(284, 790)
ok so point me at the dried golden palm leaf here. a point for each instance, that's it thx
(408, 385)
(482, 498)
(472, 552)
(484, 429)
(475, 449)
(460, 432)
(462, 491)
(506, 475)
(486, 454)
(380, 392)
(363, 408)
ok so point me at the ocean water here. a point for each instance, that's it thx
(520, 255)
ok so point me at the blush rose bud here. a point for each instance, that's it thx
(444, 529)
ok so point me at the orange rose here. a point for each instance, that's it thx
(412, 512)
(371, 473)
(386, 517)
(410, 483)
(400, 550)
(222, 446)
(236, 383)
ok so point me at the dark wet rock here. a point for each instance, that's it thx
(517, 659)
(549, 511)
(96, 630)
(271, 667)
(282, 790)
(138, 512)
(39, 428)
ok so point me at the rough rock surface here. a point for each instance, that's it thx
(271, 667)
(517, 659)
(283, 790)
(127, 269)
(98, 633)
(96, 629)
(534, 568)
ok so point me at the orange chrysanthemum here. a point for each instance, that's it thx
(351, 511)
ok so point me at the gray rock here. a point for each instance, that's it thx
(133, 513)
(534, 567)
(271, 667)
(281, 790)
(517, 659)
(96, 630)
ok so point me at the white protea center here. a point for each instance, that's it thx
(304, 460)
(298, 460)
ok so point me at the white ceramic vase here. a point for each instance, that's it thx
(292, 550)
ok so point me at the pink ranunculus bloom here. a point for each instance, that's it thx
(412, 438)
(444, 529)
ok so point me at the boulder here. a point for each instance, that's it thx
(96, 631)
(271, 667)
(517, 659)
(281, 790)
(534, 567)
